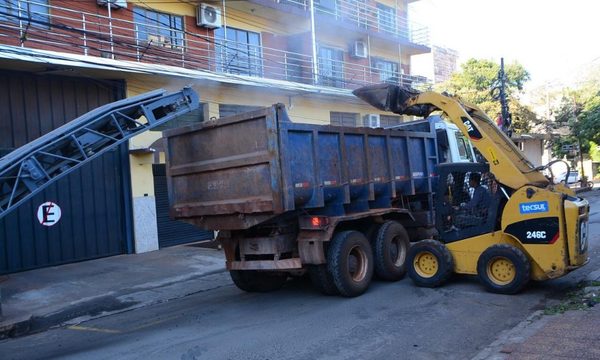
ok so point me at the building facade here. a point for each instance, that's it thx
(238, 55)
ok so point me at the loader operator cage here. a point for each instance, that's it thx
(468, 201)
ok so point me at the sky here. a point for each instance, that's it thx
(554, 40)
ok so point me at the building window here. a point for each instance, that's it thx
(35, 13)
(388, 71)
(158, 29)
(238, 51)
(386, 18)
(331, 67)
(343, 118)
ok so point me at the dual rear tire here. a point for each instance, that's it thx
(352, 259)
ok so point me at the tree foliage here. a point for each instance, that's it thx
(475, 80)
(578, 115)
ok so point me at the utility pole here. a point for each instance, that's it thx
(499, 94)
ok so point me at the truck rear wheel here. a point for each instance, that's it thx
(322, 279)
(430, 263)
(390, 247)
(258, 281)
(503, 269)
(350, 263)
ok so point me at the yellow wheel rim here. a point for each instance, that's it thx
(426, 264)
(501, 271)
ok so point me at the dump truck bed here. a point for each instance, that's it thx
(244, 170)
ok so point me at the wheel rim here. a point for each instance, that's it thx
(501, 271)
(357, 264)
(397, 252)
(426, 264)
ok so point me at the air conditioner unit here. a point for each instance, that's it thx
(114, 4)
(359, 49)
(159, 40)
(372, 120)
(208, 16)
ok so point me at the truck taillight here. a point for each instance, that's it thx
(318, 222)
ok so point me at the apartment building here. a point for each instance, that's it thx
(61, 58)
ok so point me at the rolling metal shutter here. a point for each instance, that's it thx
(172, 232)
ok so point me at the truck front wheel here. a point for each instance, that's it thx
(350, 263)
(258, 281)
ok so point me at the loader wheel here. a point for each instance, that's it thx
(350, 263)
(390, 247)
(258, 281)
(430, 263)
(503, 269)
(322, 280)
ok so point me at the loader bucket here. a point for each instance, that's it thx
(389, 97)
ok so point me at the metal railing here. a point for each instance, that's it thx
(68, 30)
(379, 19)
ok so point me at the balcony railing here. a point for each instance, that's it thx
(39, 26)
(382, 19)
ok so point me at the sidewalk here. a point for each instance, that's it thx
(38, 299)
(574, 334)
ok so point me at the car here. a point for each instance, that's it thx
(571, 179)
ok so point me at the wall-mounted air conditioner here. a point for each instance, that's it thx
(208, 16)
(359, 49)
(372, 120)
(114, 4)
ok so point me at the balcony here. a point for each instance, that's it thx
(34, 25)
(374, 19)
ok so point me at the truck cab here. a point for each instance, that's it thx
(452, 145)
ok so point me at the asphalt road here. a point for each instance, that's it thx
(390, 321)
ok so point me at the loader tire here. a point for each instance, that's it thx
(430, 263)
(390, 247)
(350, 263)
(503, 269)
(322, 279)
(258, 281)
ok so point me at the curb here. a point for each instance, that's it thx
(100, 306)
(501, 348)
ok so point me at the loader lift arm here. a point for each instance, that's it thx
(29, 169)
(507, 163)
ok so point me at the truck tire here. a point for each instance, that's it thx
(258, 281)
(322, 279)
(430, 263)
(503, 269)
(390, 248)
(350, 263)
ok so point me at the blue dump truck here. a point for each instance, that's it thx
(341, 203)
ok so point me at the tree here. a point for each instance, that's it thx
(473, 84)
(577, 117)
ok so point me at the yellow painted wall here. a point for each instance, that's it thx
(240, 15)
(265, 20)
(170, 7)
